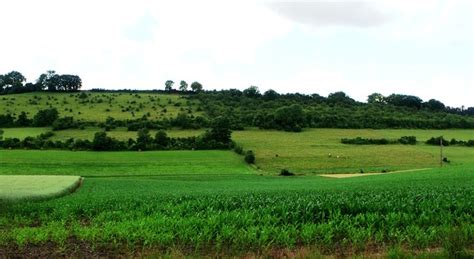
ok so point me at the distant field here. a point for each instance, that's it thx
(308, 151)
(99, 106)
(21, 162)
(34, 187)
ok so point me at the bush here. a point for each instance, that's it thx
(286, 172)
(367, 141)
(250, 157)
(45, 117)
(437, 141)
(407, 140)
(239, 150)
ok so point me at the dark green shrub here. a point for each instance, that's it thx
(407, 140)
(250, 157)
(286, 172)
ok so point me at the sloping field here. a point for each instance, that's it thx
(35, 187)
(53, 162)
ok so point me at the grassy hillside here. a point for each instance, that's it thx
(308, 151)
(98, 106)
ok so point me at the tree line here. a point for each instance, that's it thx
(14, 82)
(294, 111)
(218, 136)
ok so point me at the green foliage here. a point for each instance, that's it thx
(45, 117)
(286, 172)
(367, 141)
(290, 118)
(196, 87)
(249, 157)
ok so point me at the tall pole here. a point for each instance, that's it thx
(441, 151)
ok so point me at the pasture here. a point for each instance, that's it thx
(97, 107)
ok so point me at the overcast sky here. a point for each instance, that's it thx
(418, 47)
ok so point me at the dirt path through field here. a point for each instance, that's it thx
(368, 174)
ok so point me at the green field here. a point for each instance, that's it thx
(21, 162)
(308, 152)
(97, 107)
(35, 187)
(211, 203)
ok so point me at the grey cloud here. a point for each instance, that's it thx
(328, 13)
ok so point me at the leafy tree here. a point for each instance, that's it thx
(169, 85)
(161, 139)
(13, 79)
(376, 98)
(144, 140)
(183, 86)
(102, 142)
(252, 92)
(23, 120)
(69, 83)
(340, 98)
(404, 100)
(220, 130)
(435, 105)
(270, 95)
(45, 117)
(290, 118)
(196, 87)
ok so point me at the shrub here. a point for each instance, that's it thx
(250, 157)
(238, 149)
(407, 140)
(286, 172)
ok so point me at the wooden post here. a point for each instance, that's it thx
(441, 151)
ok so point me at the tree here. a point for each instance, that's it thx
(376, 98)
(13, 79)
(169, 85)
(435, 105)
(69, 83)
(161, 139)
(45, 117)
(220, 130)
(102, 142)
(270, 95)
(144, 140)
(252, 92)
(404, 100)
(196, 87)
(340, 98)
(290, 118)
(183, 86)
(23, 120)
(49, 81)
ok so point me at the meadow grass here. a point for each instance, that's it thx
(320, 150)
(35, 187)
(54, 162)
(68, 104)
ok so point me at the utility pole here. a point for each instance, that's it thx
(441, 151)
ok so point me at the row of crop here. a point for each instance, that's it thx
(419, 218)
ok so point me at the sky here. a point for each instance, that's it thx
(417, 47)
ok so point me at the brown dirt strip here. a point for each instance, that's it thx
(368, 174)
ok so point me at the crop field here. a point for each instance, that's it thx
(238, 213)
(97, 106)
(212, 203)
(21, 162)
(35, 187)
